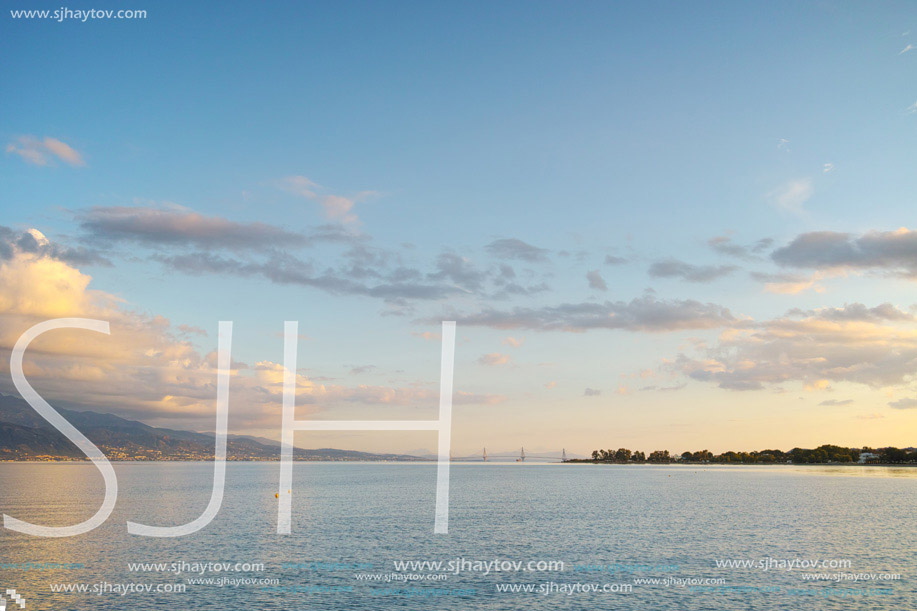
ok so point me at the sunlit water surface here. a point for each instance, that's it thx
(379, 513)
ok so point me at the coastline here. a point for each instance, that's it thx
(741, 464)
(488, 463)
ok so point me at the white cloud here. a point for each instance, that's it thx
(793, 195)
(148, 368)
(43, 152)
(336, 207)
(791, 284)
(876, 347)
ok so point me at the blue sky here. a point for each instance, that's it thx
(409, 146)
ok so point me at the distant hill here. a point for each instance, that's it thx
(25, 435)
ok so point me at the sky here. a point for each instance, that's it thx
(658, 225)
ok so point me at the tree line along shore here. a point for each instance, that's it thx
(825, 454)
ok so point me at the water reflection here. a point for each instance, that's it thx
(376, 513)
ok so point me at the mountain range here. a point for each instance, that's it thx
(24, 435)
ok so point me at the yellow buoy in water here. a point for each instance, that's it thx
(276, 495)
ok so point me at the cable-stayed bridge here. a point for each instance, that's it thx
(522, 456)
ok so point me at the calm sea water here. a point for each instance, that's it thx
(624, 522)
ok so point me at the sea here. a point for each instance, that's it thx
(522, 536)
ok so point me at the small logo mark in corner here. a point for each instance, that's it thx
(14, 596)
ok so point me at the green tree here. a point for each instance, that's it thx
(892, 455)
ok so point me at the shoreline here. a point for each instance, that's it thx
(742, 464)
(433, 462)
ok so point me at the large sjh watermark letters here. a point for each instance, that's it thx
(290, 425)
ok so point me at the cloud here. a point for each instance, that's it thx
(34, 242)
(550, 385)
(192, 243)
(158, 226)
(494, 359)
(63, 151)
(513, 341)
(591, 392)
(909, 47)
(817, 386)
(147, 368)
(43, 152)
(281, 268)
(673, 268)
(336, 207)
(890, 251)
(333, 232)
(269, 376)
(512, 248)
(361, 369)
(192, 330)
(613, 260)
(836, 402)
(787, 284)
(906, 403)
(876, 347)
(671, 388)
(460, 270)
(884, 312)
(596, 282)
(725, 246)
(791, 196)
(828, 167)
(299, 185)
(505, 280)
(911, 109)
(140, 368)
(641, 314)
